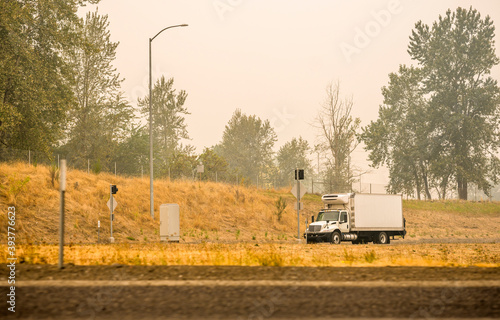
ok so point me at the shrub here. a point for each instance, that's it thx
(97, 167)
(280, 207)
(54, 174)
(370, 256)
(13, 188)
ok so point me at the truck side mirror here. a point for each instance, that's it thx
(312, 218)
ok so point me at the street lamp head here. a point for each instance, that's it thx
(177, 25)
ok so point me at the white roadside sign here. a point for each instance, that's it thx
(302, 190)
(115, 204)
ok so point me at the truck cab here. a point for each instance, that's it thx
(327, 222)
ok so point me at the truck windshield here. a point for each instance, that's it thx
(328, 216)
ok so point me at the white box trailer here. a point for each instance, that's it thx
(376, 212)
(360, 218)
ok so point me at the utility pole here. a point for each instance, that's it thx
(151, 199)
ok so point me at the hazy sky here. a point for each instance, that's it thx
(271, 58)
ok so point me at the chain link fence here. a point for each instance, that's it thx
(313, 185)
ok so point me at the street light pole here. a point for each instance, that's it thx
(151, 122)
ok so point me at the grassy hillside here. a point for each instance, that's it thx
(209, 211)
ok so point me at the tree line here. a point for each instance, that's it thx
(437, 130)
(60, 93)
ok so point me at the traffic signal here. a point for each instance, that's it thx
(114, 189)
(299, 174)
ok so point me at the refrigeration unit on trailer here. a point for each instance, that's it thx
(358, 217)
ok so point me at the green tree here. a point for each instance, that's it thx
(132, 154)
(292, 155)
(247, 145)
(456, 55)
(169, 125)
(35, 76)
(183, 163)
(395, 139)
(215, 166)
(101, 117)
(337, 132)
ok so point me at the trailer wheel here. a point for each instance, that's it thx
(383, 238)
(336, 238)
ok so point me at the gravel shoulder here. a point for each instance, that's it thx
(127, 272)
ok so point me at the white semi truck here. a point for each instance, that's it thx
(357, 217)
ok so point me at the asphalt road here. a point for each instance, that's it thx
(142, 292)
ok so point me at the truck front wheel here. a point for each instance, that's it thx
(382, 238)
(336, 237)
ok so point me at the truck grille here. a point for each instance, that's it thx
(314, 228)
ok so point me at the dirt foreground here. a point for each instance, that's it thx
(237, 292)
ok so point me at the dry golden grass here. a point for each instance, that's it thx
(210, 212)
(437, 224)
(266, 254)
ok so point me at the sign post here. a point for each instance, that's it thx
(298, 193)
(112, 205)
(62, 186)
(298, 210)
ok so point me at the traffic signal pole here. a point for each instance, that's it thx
(111, 239)
(298, 209)
(112, 190)
(299, 175)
